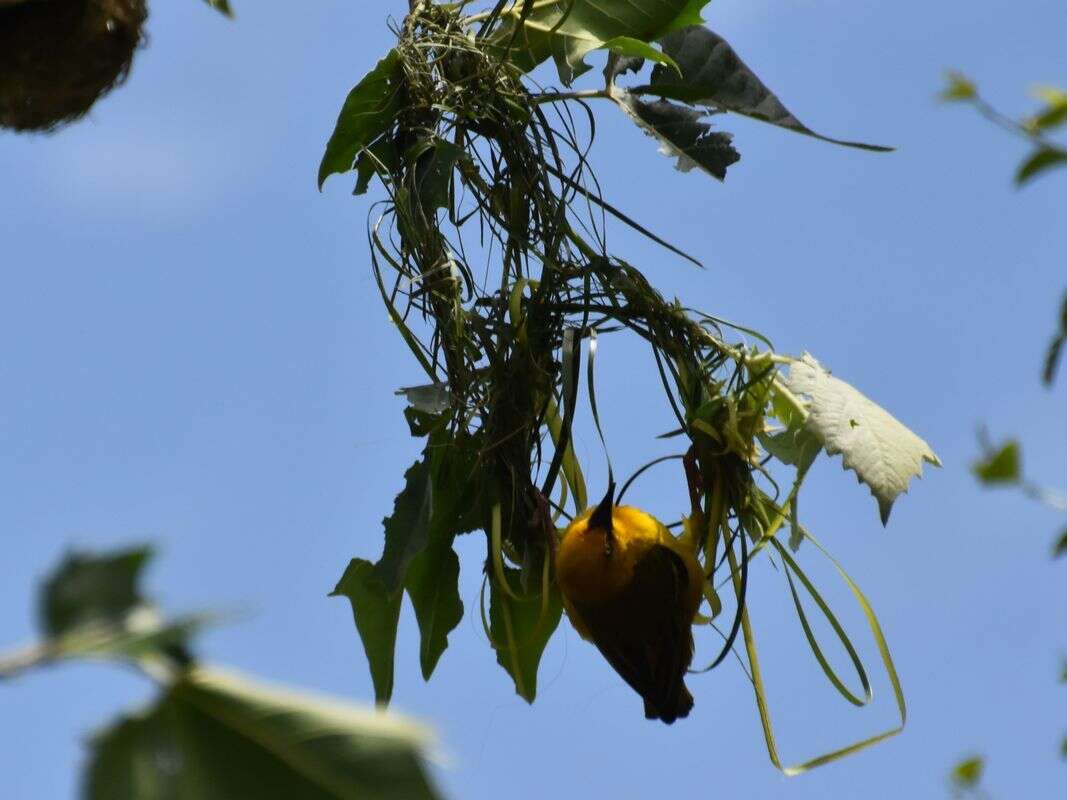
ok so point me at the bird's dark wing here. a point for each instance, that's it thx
(645, 635)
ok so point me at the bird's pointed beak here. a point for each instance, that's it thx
(601, 516)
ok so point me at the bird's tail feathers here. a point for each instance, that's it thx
(677, 706)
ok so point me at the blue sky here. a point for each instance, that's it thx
(193, 352)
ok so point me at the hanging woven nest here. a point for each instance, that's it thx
(57, 57)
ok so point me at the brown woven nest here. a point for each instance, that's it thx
(57, 57)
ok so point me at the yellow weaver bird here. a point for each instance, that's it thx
(632, 589)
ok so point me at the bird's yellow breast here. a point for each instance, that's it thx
(591, 574)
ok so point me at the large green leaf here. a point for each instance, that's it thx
(712, 74)
(368, 111)
(568, 30)
(682, 133)
(520, 627)
(217, 736)
(442, 498)
(376, 612)
(407, 529)
(884, 453)
(432, 583)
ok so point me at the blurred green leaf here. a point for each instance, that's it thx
(967, 773)
(1041, 160)
(149, 637)
(520, 628)
(432, 583)
(368, 112)
(1058, 549)
(376, 612)
(93, 589)
(1055, 348)
(959, 88)
(222, 6)
(1052, 359)
(1055, 112)
(999, 467)
(92, 605)
(218, 736)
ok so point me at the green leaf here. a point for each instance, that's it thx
(422, 423)
(461, 496)
(967, 773)
(520, 628)
(368, 112)
(93, 589)
(372, 161)
(218, 736)
(958, 88)
(407, 529)
(1052, 359)
(999, 467)
(884, 453)
(681, 132)
(434, 173)
(635, 48)
(222, 6)
(443, 497)
(797, 446)
(1041, 160)
(92, 605)
(1058, 549)
(432, 583)
(567, 30)
(376, 612)
(712, 74)
(1063, 748)
(690, 15)
(1055, 112)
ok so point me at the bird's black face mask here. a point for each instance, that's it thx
(601, 518)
